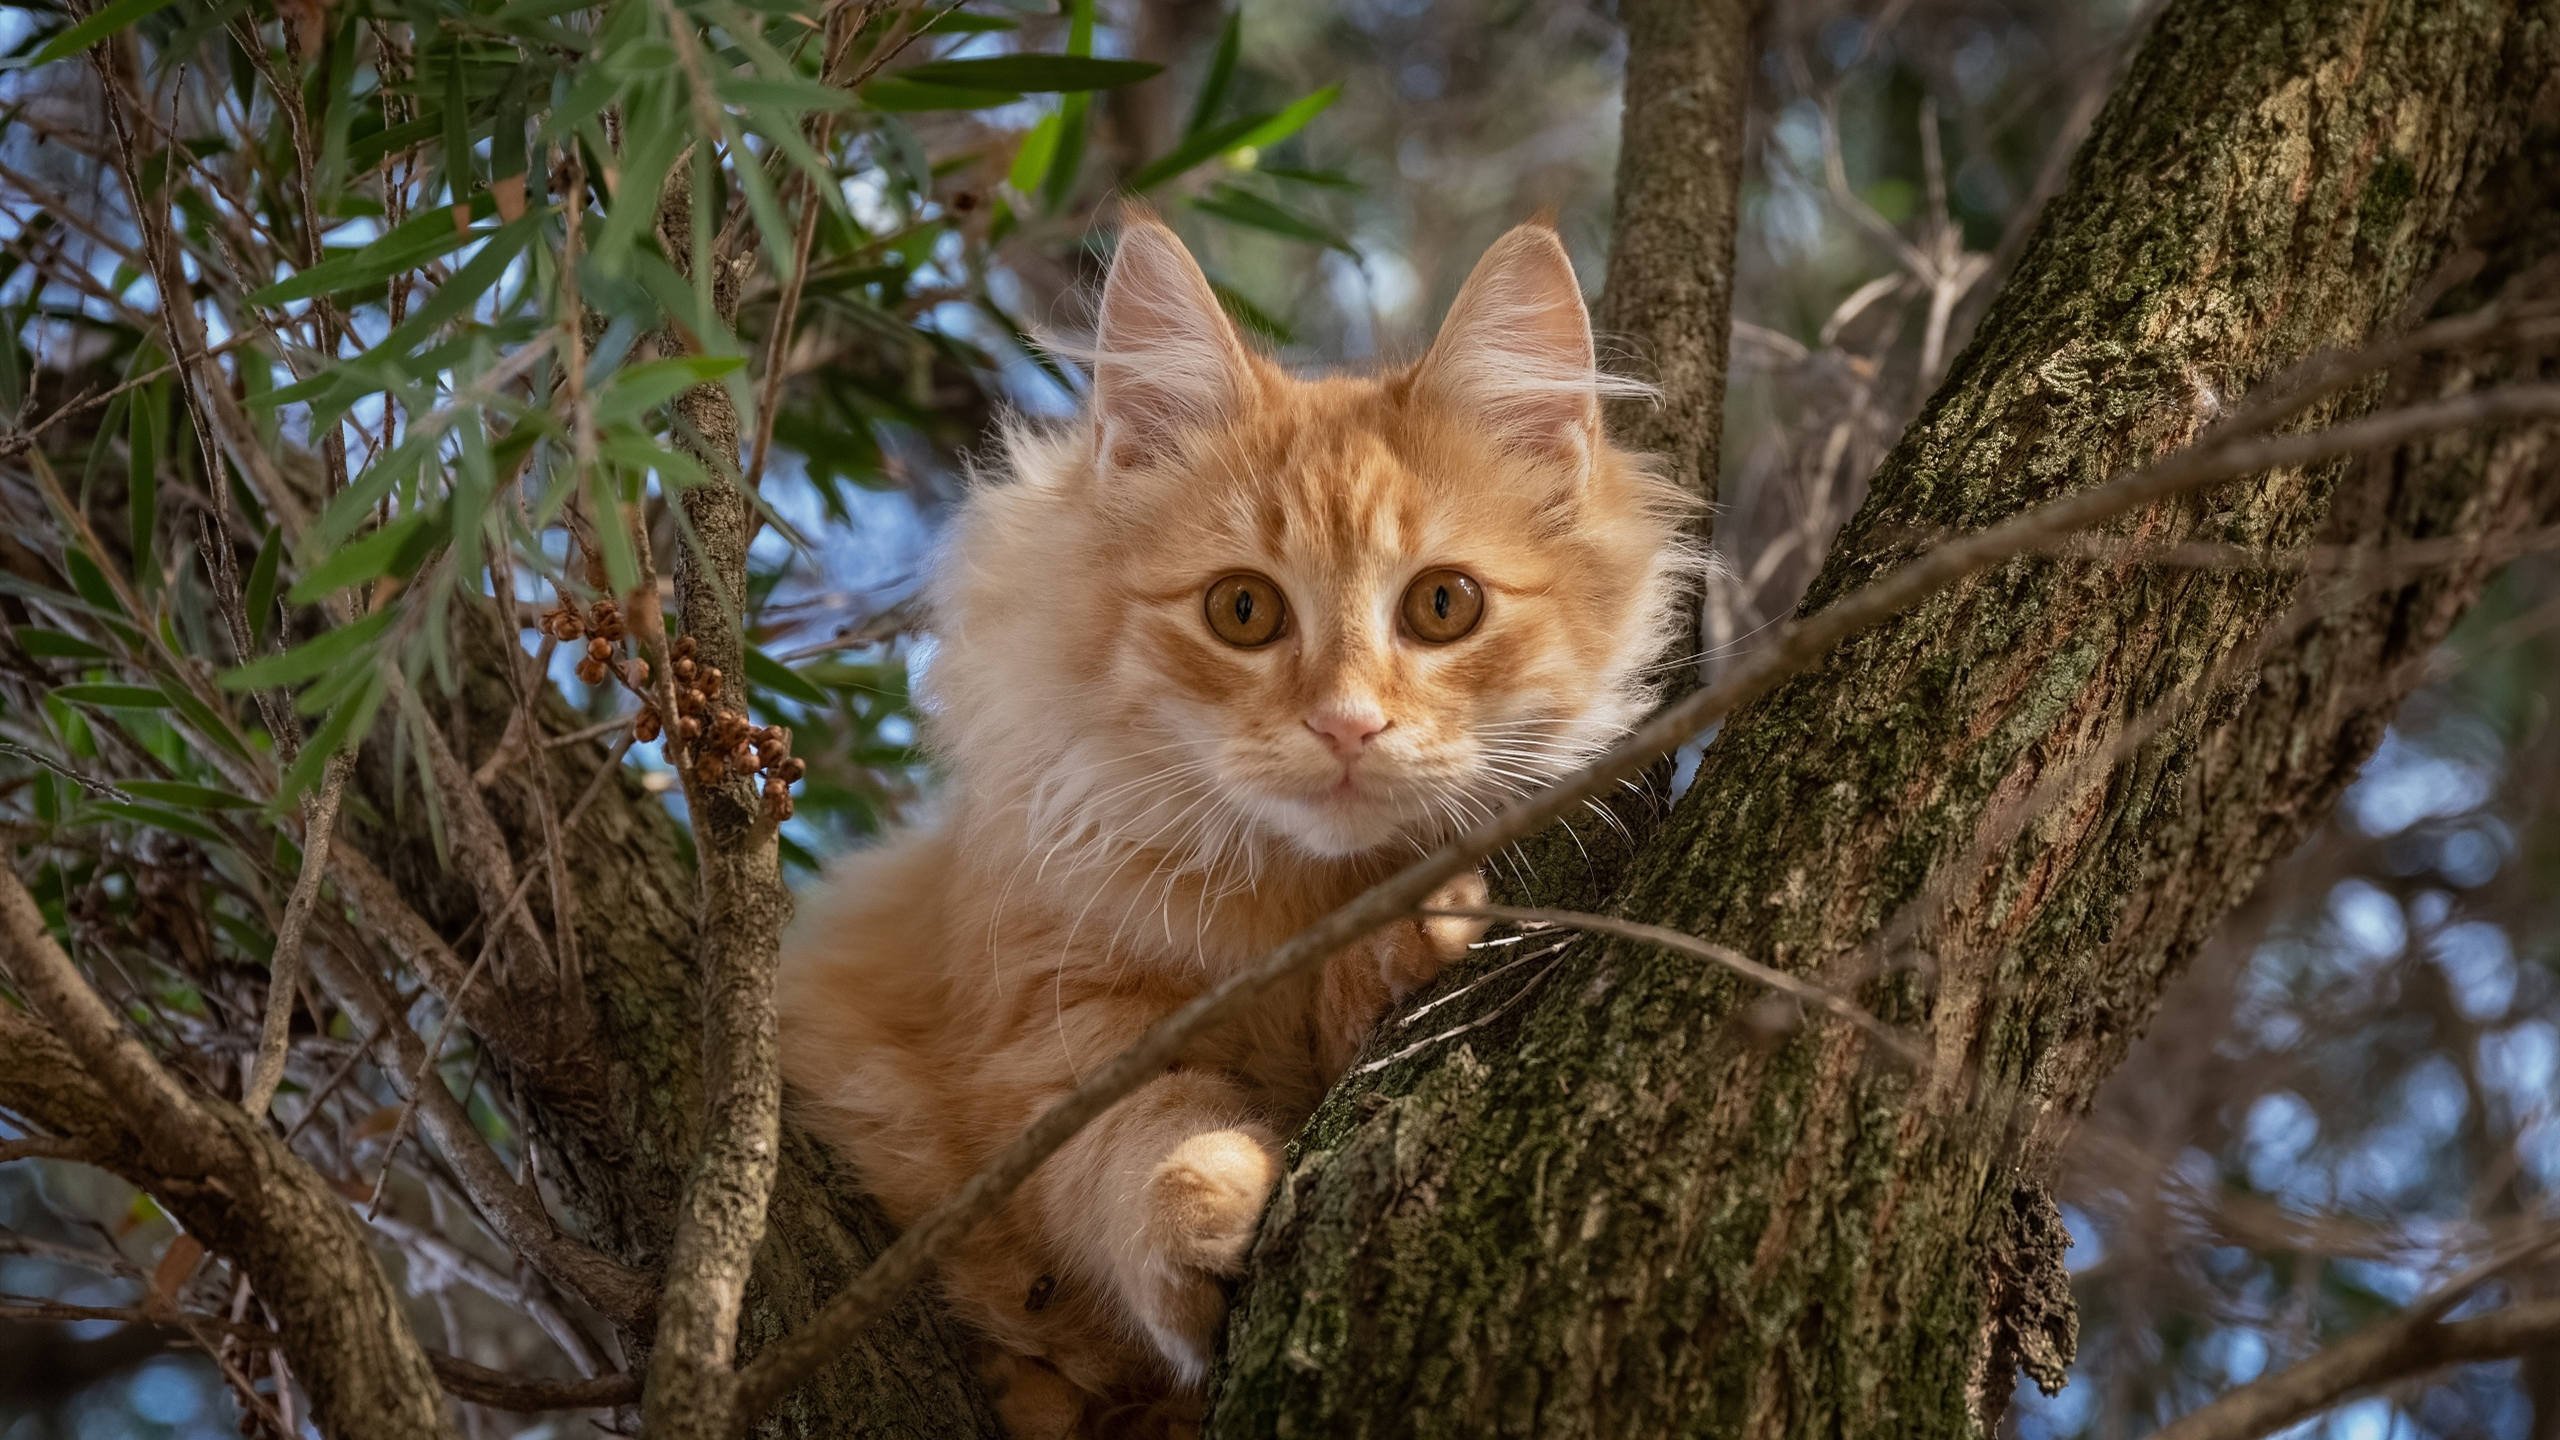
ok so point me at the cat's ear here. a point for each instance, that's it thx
(1515, 353)
(1169, 362)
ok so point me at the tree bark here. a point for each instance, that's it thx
(1639, 1200)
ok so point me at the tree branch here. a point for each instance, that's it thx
(1669, 298)
(159, 1108)
(284, 972)
(692, 1387)
(233, 1185)
(2400, 1348)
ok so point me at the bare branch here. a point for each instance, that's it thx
(619, 1292)
(236, 1188)
(284, 972)
(1820, 997)
(159, 1108)
(2397, 1349)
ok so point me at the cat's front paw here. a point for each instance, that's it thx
(1410, 955)
(1448, 936)
(1206, 1198)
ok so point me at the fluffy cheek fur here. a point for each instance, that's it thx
(1576, 572)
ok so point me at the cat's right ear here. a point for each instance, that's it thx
(1170, 362)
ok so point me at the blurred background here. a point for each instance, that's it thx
(2345, 1099)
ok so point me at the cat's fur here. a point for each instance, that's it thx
(1135, 807)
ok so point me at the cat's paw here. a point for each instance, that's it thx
(1448, 936)
(1205, 1198)
(1410, 955)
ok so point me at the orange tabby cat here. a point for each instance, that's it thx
(1209, 661)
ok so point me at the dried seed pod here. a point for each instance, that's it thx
(684, 667)
(790, 770)
(710, 771)
(689, 700)
(777, 803)
(637, 672)
(684, 647)
(592, 671)
(645, 726)
(563, 624)
(711, 681)
(599, 649)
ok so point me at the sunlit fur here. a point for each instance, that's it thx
(1135, 808)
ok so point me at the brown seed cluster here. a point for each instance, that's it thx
(603, 630)
(708, 742)
(713, 743)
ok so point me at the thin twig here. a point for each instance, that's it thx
(1901, 1046)
(284, 972)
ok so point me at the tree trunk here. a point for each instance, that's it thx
(1640, 1201)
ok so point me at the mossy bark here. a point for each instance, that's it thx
(1637, 1201)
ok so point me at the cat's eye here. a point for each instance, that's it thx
(1246, 610)
(1442, 605)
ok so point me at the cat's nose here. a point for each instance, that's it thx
(1347, 729)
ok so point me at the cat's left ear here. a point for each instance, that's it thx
(1170, 363)
(1515, 353)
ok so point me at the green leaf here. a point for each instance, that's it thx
(186, 793)
(1222, 69)
(1031, 162)
(342, 384)
(457, 130)
(260, 599)
(1246, 132)
(106, 695)
(640, 388)
(771, 674)
(97, 27)
(371, 556)
(55, 645)
(158, 818)
(1025, 74)
(1292, 118)
(394, 252)
(897, 94)
(207, 722)
(91, 581)
(1243, 207)
(1251, 316)
(145, 426)
(1060, 187)
(323, 652)
(1329, 179)
(349, 721)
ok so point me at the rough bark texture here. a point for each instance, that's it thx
(1638, 1202)
(1666, 317)
(1669, 302)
